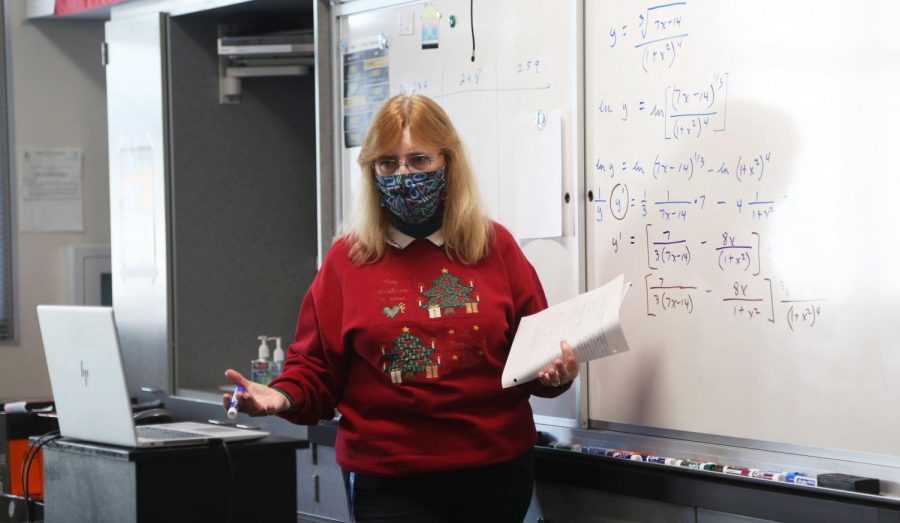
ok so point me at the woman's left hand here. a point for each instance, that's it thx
(563, 370)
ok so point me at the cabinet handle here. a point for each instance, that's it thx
(315, 488)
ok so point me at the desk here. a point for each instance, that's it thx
(89, 482)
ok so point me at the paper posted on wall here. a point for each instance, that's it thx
(590, 322)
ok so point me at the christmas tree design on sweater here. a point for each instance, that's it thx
(408, 357)
(447, 293)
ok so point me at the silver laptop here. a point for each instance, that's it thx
(88, 380)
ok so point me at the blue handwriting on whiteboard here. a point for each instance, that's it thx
(660, 34)
(745, 167)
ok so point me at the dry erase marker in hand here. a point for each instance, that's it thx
(232, 407)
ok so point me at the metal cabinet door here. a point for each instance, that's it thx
(137, 108)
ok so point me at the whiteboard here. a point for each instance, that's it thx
(524, 64)
(740, 158)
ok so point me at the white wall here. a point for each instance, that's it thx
(58, 99)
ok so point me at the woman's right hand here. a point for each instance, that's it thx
(257, 399)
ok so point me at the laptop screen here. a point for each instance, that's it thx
(86, 373)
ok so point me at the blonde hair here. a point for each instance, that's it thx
(467, 232)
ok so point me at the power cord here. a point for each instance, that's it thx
(232, 488)
(472, 25)
(26, 467)
(53, 435)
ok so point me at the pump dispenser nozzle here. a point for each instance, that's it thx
(259, 368)
(263, 347)
(277, 357)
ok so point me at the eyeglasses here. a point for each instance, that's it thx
(417, 163)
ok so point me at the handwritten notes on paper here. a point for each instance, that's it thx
(589, 321)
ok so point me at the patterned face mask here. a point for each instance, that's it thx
(413, 198)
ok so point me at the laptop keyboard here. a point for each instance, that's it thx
(144, 431)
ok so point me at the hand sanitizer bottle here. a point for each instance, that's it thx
(277, 359)
(259, 368)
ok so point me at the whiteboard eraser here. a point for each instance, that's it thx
(850, 482)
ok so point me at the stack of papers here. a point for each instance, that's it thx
(589, 322)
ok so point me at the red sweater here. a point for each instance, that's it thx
(410, 351)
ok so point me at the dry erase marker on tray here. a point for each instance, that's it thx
(695, 465)
(626, 454)
(738, 471)
(566, 446)
(798, 478)
(766, 474)
(619, 453)
(662, 460)
(594, 451)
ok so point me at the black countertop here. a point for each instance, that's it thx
(265, 445)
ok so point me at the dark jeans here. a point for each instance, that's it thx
(496, 493)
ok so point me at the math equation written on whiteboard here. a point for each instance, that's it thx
(693, 214)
